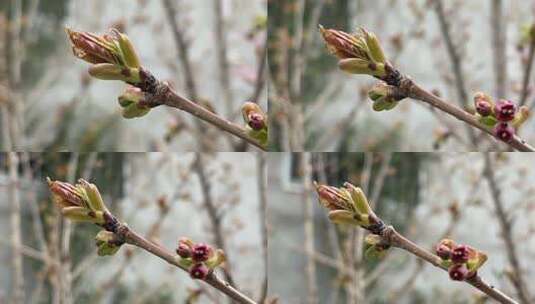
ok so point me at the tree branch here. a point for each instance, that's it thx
(506, 234)
(133, 238)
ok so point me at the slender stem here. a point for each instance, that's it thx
(395, 239)
(264, 220)
(498, 44)
(133, 238)
(527, 75)
(456, 62)
(213, 214)
(160, 93)
(308, 225)
(16, 258)
(507, 234)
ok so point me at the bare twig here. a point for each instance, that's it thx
(527, 74)
(506, 234)
(211, 209)
(455, 61)
(17, 296)
(222, 58)
(182, 48)
(310, 270)
(264, 221)
(498, 44)
(160, 93)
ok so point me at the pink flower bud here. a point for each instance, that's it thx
(505, 110)
(199, 271)
(201, 252)
(504, 131)
(483, 107)
(460, 254)
(443, 251)
(183, 250)
(458, 272)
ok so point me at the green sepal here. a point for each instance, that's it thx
(489, 121)
(133, 111)
(260, 135)
(375, 253)
(130, 56)
(93, 196)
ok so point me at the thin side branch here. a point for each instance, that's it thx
(507, 234)
(160, 93)
(133, 238)
(395, 239)
(410, 89)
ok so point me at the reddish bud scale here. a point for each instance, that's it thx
(342, 44)
(67, 193)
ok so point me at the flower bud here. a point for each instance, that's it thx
(376, 51)
(65, 194)
(443, 251)
(254, 116)
(458, 272)
(383, 96)
(348, 218)
(82, 214)
(460, 254)
(130, 56)
(483, 107)
(199, 271)
(94, 198)
(505, 110)
(107, 243)
(135, 110)
(184, 249)
(360, 66)
(521, 117)
(360, 53)
(359, 198)
(334, 198)
(93, 49)
(107, 71)
(201, 252)
(504, 131)
(217, 259)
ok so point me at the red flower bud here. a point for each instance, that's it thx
(458, 272)
(483, 107)
(443, 251)
(201, 252)
(256, 121)
(504, 131)
(199, 271)
(183, 250)
(460, 254)
(505, 110)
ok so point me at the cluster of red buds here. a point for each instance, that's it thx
(462, 261)
(200, 259)
(504, 116)
(255, 121)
